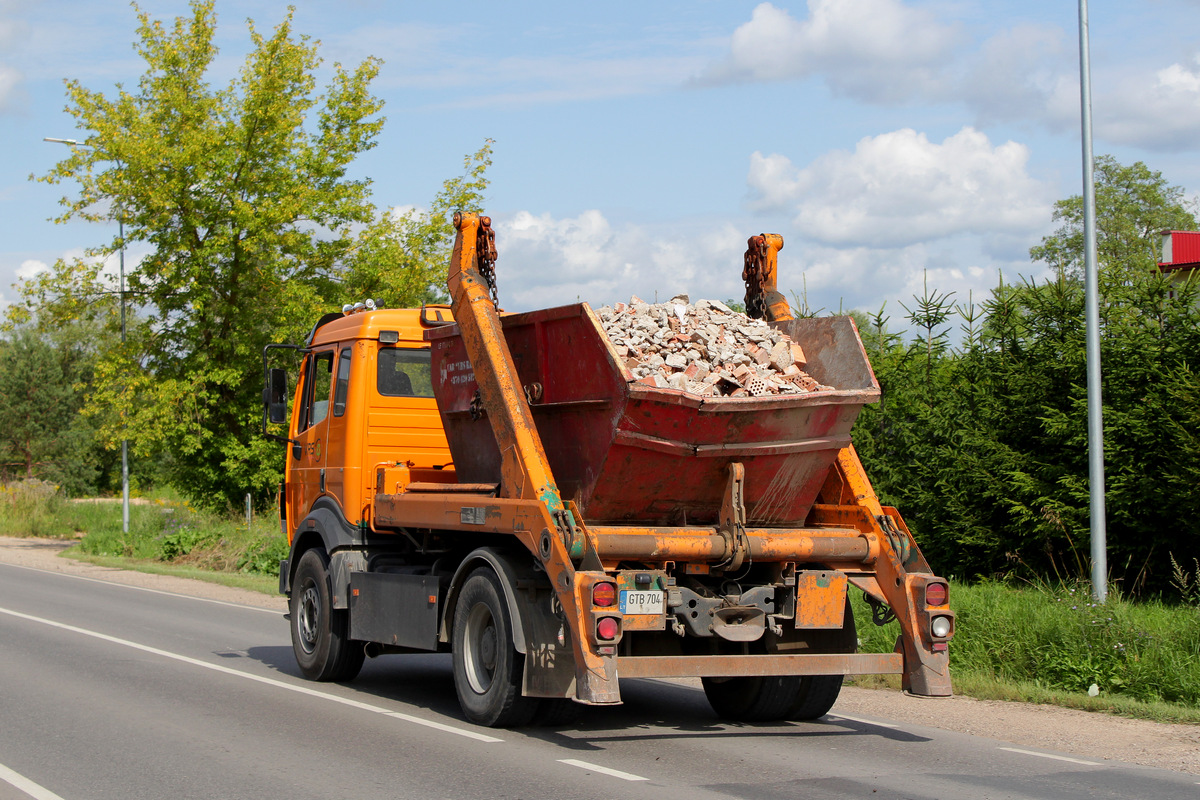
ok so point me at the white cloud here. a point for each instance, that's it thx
(29, 268)
(879, 50)
(1157, 111)
(899, 188)
(1015, 74)
(547, 261)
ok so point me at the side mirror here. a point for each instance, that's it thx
(276, 395)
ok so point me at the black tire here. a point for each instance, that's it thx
(756, 699)
(817, 695)
(487, 668)
(321, 633)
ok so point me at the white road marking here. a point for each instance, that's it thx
(1048, 755)
(257, 678)
(25, 785)
(148, 589)
(615, 773)
(482, 737)
(863, 721)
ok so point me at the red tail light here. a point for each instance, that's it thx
(604, 595)
(935, 594)
(607, 629)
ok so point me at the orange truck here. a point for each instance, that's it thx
(499, 487)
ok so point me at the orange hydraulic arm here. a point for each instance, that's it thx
(901, 573)
(763, 300)
(549, 527)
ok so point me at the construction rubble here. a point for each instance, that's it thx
(705, 348)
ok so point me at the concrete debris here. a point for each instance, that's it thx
(705, 348)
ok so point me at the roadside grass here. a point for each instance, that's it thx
(264, 584)
(166, 536)
(1052, 644)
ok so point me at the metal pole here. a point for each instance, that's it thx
(1092, 296)
(124, 441)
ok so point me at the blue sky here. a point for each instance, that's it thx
(638, 145)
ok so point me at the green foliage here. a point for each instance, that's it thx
(1186, 582)
(164, 531)
(29, 507)
(262, 555)
(1133, 205)
(1057, 638)
(44, 434)
(984, 447)
(242, 194)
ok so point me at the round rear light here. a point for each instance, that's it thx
(940, 627)
(935, 594)
(607, 629)
(604, 594)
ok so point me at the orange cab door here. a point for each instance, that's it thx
(307, 456)
(341, 457)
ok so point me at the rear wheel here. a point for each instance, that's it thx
(817, 695)
(487, 668)
(755, 699)
(321, 633)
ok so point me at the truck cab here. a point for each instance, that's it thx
(364, 399)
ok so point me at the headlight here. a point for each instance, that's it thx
(940, 627)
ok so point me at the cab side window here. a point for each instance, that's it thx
(404, 372)
(342, 387)
(320, 382)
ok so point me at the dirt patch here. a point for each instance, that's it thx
(1086, 734)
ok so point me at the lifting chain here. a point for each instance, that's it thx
(485, 252)
(753, 274)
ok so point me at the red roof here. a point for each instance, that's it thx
(1181, 250)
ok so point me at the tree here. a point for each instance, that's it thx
(984, 448)
(242, 195)
(44, 436)
(1133, 205)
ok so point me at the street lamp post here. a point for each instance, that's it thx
(1095, 406)
(121, 261)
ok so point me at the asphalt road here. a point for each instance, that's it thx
(110, 691)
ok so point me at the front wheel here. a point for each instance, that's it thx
(487, 668)
(321, 633)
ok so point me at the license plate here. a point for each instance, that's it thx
(635, 602)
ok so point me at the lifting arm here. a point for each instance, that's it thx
(560, 535)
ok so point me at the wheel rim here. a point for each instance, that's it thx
(481, 648)
(308, 618)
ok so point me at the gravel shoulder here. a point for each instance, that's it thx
(1082, 733)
